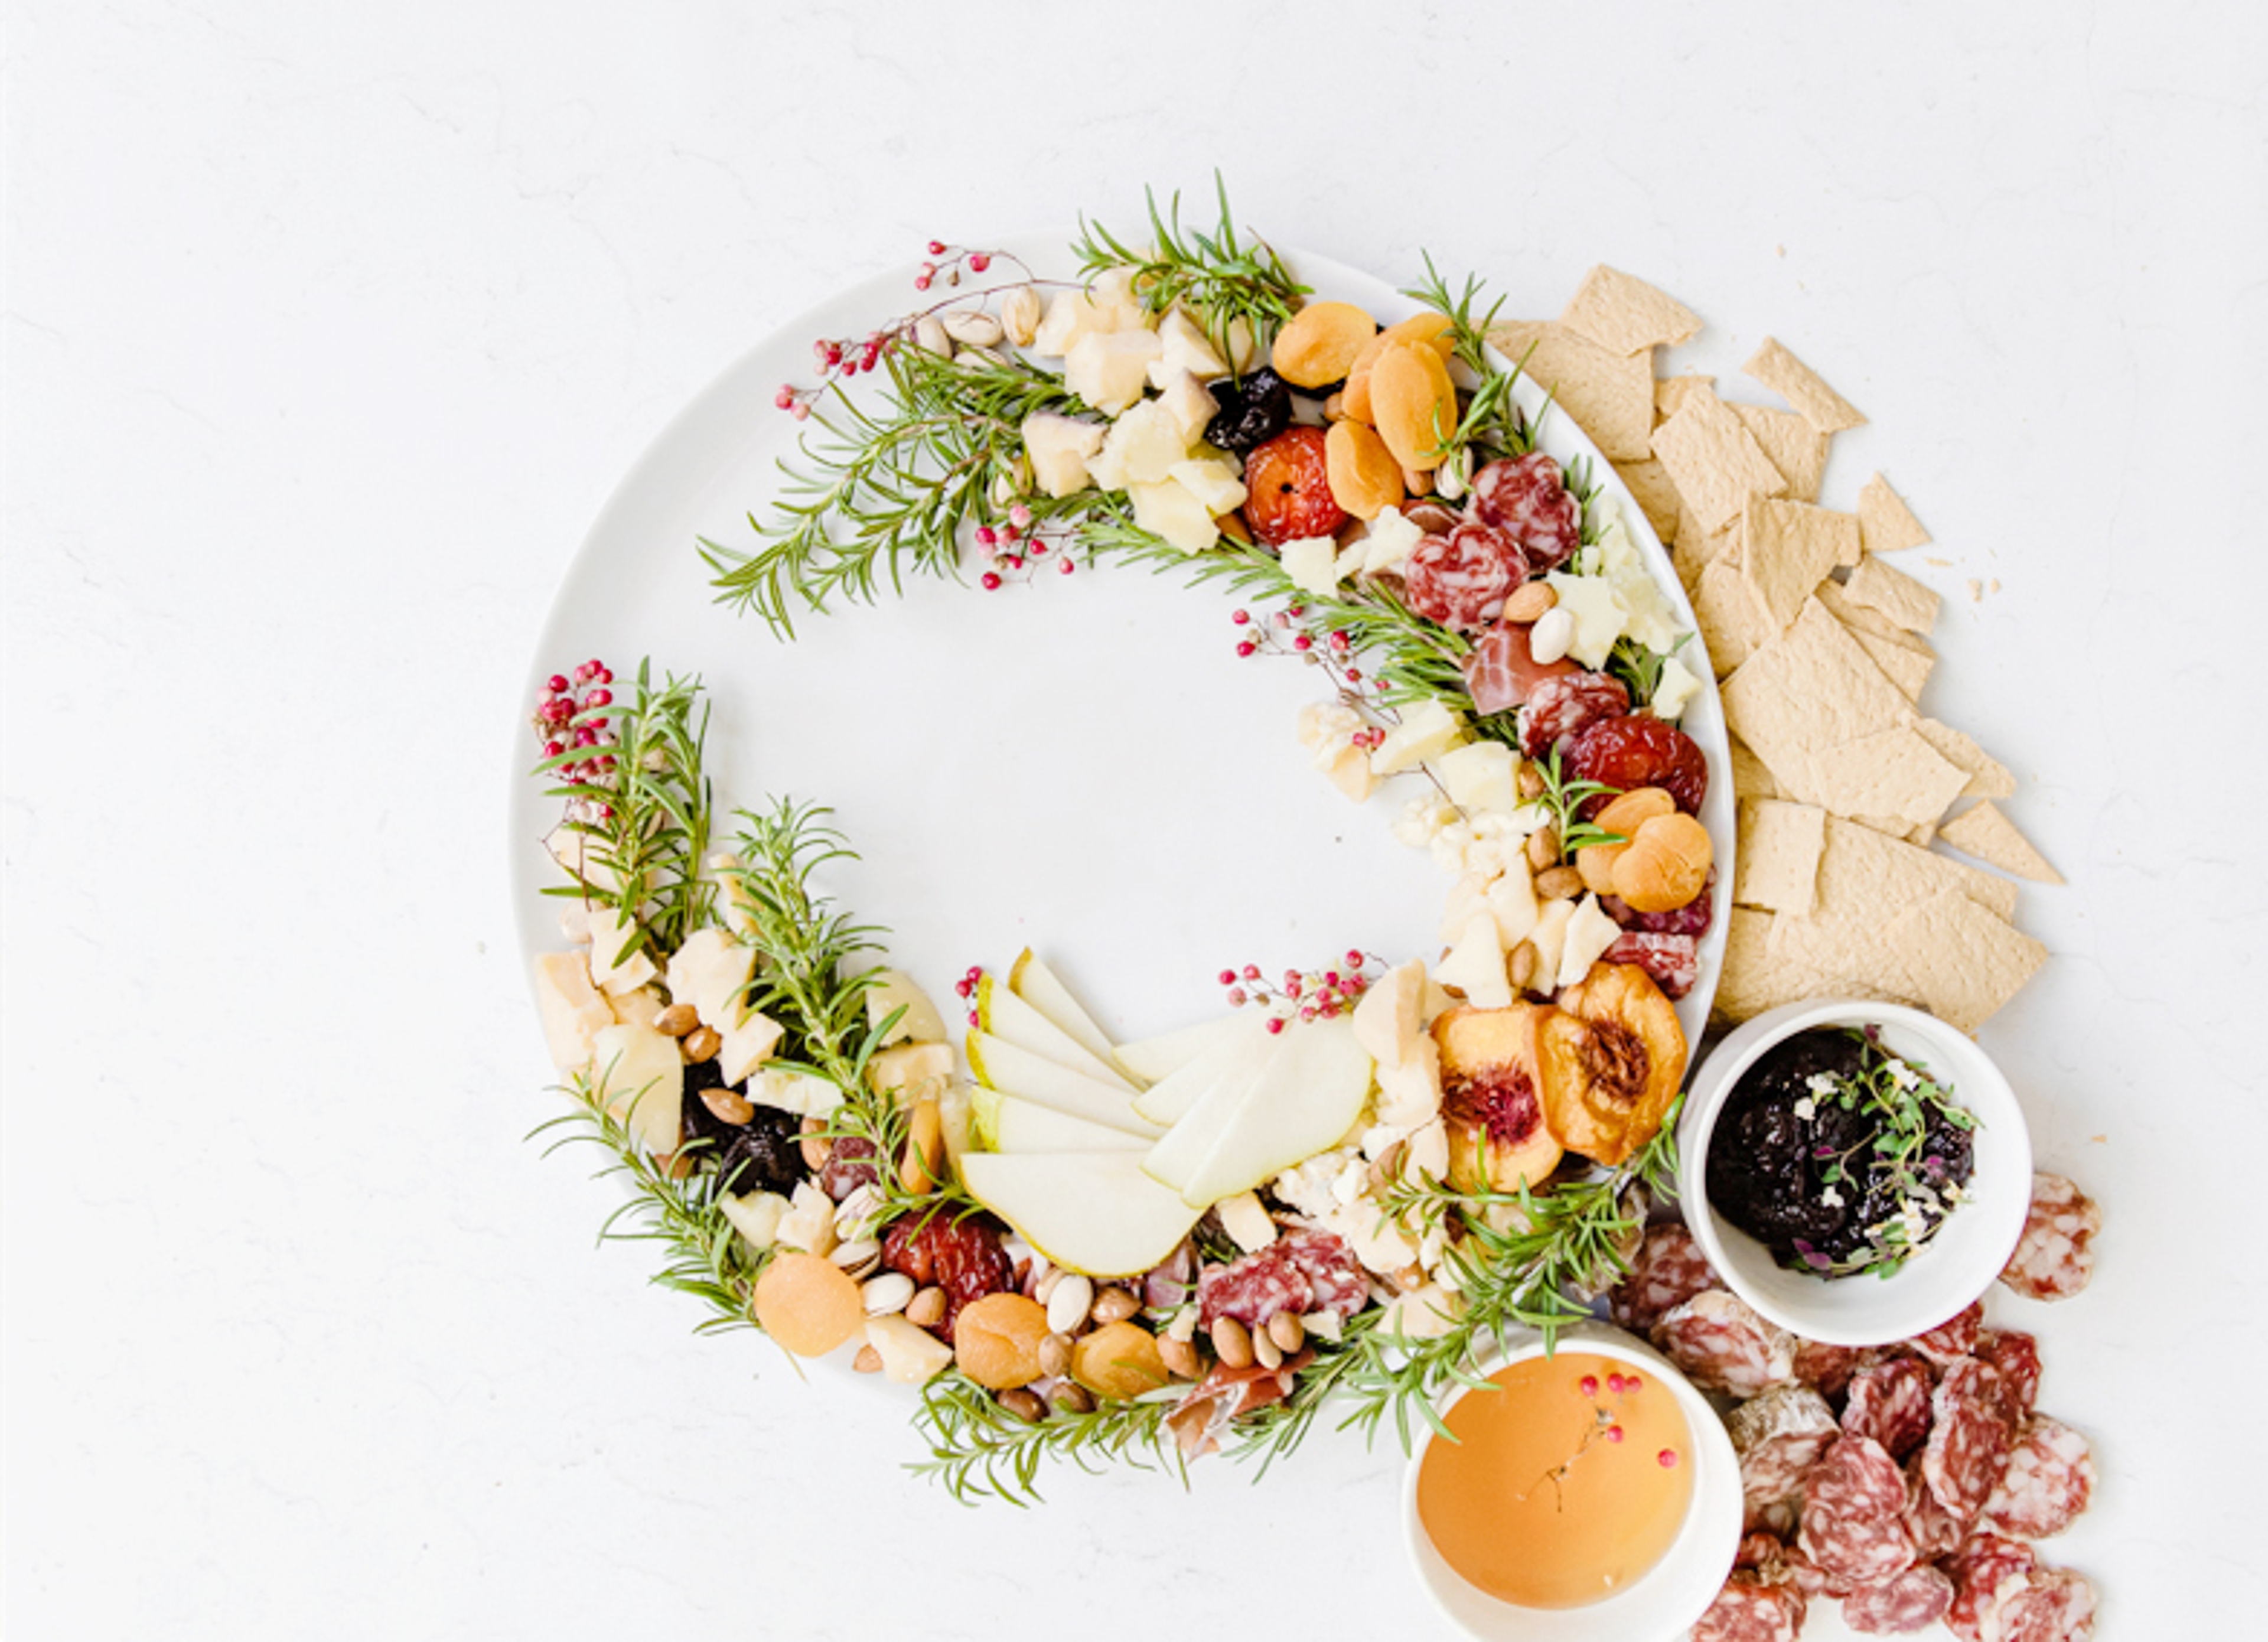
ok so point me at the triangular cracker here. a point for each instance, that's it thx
(1885, 520)
(1988, 777)
(1626, 315)
(1790, 547)
(1984, 832)
(1803, 387)
(1892, 594)
(1791, 445)
(1963, 962)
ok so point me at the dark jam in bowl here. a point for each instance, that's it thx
(1796, 1169)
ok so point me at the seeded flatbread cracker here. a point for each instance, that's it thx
(1791, 445)
(1778, 861)
(1809, 689)
(1713, 460)
(1886, 523)
(1984, 832)
(1610, 397)
(1790, 546)
(1803, 387)
(1893, 778)
(1892, 594)
(1657, 498)
(1988, 777)
(1731, 622)
(1963, 962)
(1670, 392)
(1626, 315)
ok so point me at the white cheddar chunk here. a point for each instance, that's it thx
(573, 1012)
(1590, 932)
(1426, 732)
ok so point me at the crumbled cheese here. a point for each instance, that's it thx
(1410, 1095)
(1676, 690)
(1307, 1186)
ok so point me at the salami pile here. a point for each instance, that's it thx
(1909, 1482)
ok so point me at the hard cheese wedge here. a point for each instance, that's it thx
(999, 1065)
(1305, 1099)
(1091, 1211)
(1031, 980)
(1008, 1017)
(1235, 1054)
(1153, 1060)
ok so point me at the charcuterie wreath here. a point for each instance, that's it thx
(1329, 1200)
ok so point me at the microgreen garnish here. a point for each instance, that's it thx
(1889, 1163)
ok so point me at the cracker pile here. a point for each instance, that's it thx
(1822, 651)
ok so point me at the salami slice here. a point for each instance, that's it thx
(2049, 1480)
(1669, 1269)
(1828, 1368)
(1723, 1345)
(1462, 580)
(1854, 1510)
(2055, 1257)
(1900, 1605)
(1525, 498)
(2017, 1357)
(1890, 1402)
(1779, 1437)
(1983, 1571)
(1970, 1437)
(1559, 706)
(2049, 1605)
(1954, 1339)
(1502, 669)
(1673, 960)
(1304, 1271)
(1750, 1610)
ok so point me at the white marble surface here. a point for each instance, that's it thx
(327, 330)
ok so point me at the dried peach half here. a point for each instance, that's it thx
(1491, 1102)
(1611, 1057)
(808, 1303)
(995, 1340)
(1119, 1359)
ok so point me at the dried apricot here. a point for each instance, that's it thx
(808, 1303)
(1365, 478)
(1414, 404)
(1433, 329)
(1320, 342)
(1625, 815)
(1665, 864)
(995, 1340)
(1118, 1360)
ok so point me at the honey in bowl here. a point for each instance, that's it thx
(1566, 1481)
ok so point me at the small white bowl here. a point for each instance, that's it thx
(1953, 1268)
(1672, 1594)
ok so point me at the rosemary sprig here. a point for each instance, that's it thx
(979, 1450)
(1563, 801)
(645, 822)
(1224, 276)
(703, 1257)
(887, 494)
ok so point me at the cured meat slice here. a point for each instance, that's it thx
(1828, 1368)
(1723, 1345)
(1673, 960)
(2049, 1480)
(2049, 1605)
(2017, 1357)
(1936, 1531)
(1983, 1571)
(1779, 1437)
(1502, 669)
(1969, 1439)
(1462, 580)
(1750, 1610)
(1890, 1402)
(1854, 1510)
(1525, 498)
(1667, 1270)
(1227, 1394)
(1956, 1337)
(1558, 707)
(1900, 1605)
(1304, 1271)
(2055, 1257)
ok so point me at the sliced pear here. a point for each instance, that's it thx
(1311, 1094)
(1154, 1059)
(1010, 1019)
(1016, 1124)
(1031, 980)
(1214, 1095)
(1236, 1053)
(1001, 1066)
(1090, 1212)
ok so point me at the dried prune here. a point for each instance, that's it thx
(1253, 410)
(763, 1154)
(1639, 750)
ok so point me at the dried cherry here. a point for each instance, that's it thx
(1289, 488)
(1639, 750)
(964, 1257)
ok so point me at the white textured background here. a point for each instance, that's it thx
(326, 330)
